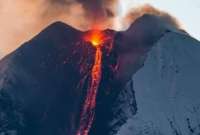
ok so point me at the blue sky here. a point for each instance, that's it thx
(186, 11)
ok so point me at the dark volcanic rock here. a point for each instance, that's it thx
(42, 76)
(43, 84)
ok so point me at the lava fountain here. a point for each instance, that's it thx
(96, 39)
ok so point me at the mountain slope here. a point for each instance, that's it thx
(34, 77)
(167, 89)
(43, 85)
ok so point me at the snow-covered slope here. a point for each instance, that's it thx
(167, 89)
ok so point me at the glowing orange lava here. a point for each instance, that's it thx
(96, 38)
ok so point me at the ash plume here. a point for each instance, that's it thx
(94, 11)
(138, 12)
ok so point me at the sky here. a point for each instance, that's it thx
(186, 11)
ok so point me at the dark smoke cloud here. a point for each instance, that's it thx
(94, 10)
(91, 6)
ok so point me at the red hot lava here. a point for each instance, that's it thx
(97, 39)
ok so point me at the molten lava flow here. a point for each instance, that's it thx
(96, 38)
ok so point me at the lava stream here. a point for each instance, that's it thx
(88, 112)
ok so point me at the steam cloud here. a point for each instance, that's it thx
(22, 19)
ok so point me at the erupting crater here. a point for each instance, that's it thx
(95, 37)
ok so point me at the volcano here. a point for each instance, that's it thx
(61, 83)
(44, 83)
